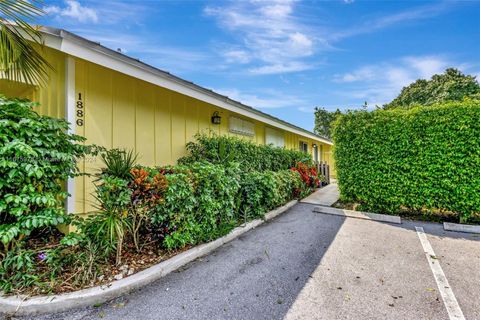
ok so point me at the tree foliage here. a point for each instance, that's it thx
(324, 120)
(452, 85)
(19, 58)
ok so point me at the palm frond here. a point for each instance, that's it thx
(19, 59)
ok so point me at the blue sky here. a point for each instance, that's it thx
(286, 56)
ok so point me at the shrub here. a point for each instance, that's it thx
(199, 203)
(216, 188)
(258, 192)
(36, 156)
(112, 221)
(18, 270)
(118, 163)
(418, 159)
(173, 220)
(262, 191)
(204, 201)
(38, 267)
(308, 174)
(148, 190)
(250, 156)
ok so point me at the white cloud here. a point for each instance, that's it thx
(273, 36)
(237, 56)
(427, 66)
(380, 83)
(280, 68)
(416, 13)
(268, 100)
(399, 76)
(73, 9)
(270, 37)
(277, 10)
(363, 73)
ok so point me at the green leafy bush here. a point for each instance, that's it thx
(204, 201)
(37, 268)
(37, 155)
(17, 270)
(199, 203)
(250, 156)
(425, 158)
(262, 191)
(216, 188)
(114, 196)
(118, 163)
(173, 220)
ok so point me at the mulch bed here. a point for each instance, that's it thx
(107, 271)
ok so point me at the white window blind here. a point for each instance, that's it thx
(242, 127)
(274, 137)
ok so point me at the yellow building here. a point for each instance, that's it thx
(117, 101)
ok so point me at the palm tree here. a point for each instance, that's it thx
(19, 58)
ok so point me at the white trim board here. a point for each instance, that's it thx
(70, 117)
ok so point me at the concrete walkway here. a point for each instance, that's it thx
(325, 196)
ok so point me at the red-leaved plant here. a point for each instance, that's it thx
(309, 174)
(148, 189)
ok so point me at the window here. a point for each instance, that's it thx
(304, 146)
(243, 127)
(315, 153)
(274, 137)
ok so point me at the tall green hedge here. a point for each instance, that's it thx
(417, 159)
(250, 156)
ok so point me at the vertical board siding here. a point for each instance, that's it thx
(192, 115)
(98, 120)
(178, 126)
(163, 132)
(123, 113)
(52, 96)
(145, 124)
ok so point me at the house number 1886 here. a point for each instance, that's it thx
(80, 112)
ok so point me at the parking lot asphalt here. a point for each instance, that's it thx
(306, 265)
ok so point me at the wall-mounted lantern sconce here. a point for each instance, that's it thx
(216, 119)
(314, 145)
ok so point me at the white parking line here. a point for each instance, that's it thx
(453, 309)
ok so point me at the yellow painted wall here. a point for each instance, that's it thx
(51, 96)
(120, 111)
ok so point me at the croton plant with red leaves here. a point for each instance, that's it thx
(308, 173)
(147, 187)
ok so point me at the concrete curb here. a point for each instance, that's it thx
(57, 303)
(448, 226)
(358, 214)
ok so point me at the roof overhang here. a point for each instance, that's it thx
(77, 46)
